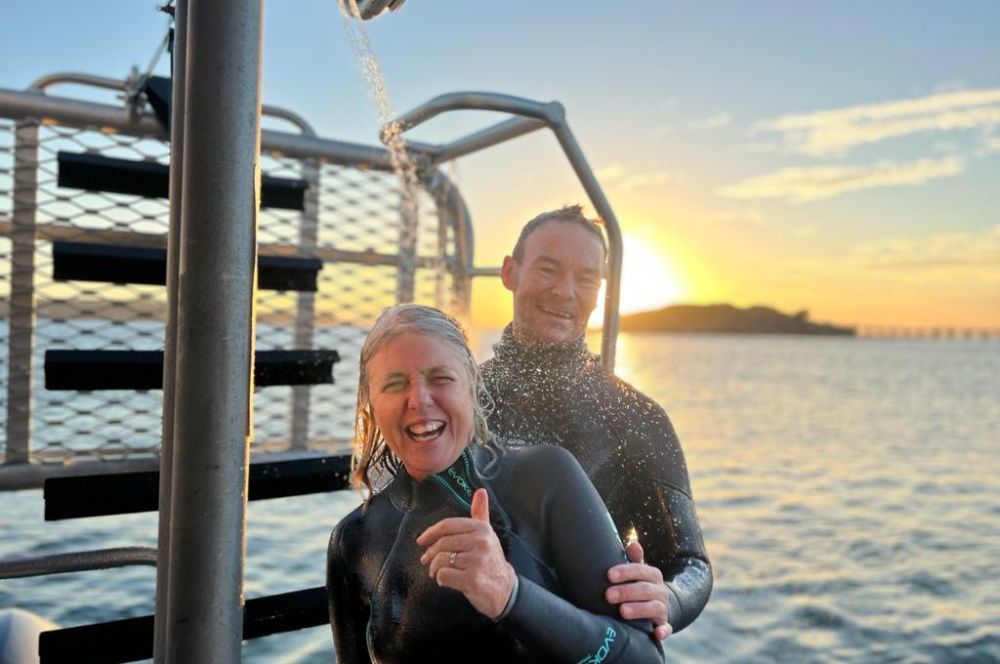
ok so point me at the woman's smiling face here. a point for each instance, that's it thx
(422, 401)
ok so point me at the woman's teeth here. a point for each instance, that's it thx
(425, 430)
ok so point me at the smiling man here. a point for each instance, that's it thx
(548, 389)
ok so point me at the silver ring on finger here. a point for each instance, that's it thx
(452, 558)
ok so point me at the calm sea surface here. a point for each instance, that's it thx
(847, 489)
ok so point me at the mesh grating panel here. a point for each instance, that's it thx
(351, 221)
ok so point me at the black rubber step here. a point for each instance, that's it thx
(132, 639)
(143, 369)
(94, 172)
(129, 493)
(115, 264)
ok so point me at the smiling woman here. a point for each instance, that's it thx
(649, 281)
(467, 547)
(422, 402)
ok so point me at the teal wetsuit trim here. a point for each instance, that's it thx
(602, 652)
(384, 606)
(458, 481)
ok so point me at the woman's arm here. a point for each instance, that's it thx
(348, 613)
(583, 544)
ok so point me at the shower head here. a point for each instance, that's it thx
(372, 8)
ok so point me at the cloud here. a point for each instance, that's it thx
(945, 250)
(747, 216)
(610, 172)
(952, 272)
(990, 146)
(615, 175)
(800, 185)
(713, 121)
(834, 132)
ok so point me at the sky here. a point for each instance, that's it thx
(839, 157)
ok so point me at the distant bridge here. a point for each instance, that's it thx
(928, 332)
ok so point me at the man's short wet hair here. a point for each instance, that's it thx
(572, 214)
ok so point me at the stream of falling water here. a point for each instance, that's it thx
(402, 163)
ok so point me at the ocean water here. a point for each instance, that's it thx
(847, 490)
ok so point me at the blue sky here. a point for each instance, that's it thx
(841, 157)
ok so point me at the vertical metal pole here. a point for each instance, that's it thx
(305, 313)
(214, 362)
(441, 266)
(178, 79)
(452, 212)
(21, 339)
(593, 188)
(408, 227)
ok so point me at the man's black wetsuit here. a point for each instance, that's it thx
(561, 394)
(554, 530)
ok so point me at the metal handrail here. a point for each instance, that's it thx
(77, 78)
(77, 561)
(532, 115)
(92, 80)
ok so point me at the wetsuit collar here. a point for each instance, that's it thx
(456, 483)
(459, 480)
(409, 495)
(511, 351)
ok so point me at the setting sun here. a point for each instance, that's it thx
(649, 280)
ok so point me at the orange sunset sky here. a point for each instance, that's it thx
(836, 157)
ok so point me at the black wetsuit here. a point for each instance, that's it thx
(556, 534)
(561, 394)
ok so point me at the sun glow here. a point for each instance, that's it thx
(649, 280)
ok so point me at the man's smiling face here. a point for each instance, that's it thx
(555, 284)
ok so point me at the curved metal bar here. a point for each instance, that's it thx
(20, 104)
(475, 101)
(553, 114)
(78, 561)
(81, 79)
(288, 116)
(490, 136)
(334, 152)
(58, 78)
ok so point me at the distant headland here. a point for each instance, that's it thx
(727, 319)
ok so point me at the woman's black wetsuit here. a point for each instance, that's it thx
(556, 533)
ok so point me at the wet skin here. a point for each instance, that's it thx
(556, 282)
(422, 401)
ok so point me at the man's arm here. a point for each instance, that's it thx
(672, 574)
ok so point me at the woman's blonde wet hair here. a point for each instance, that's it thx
(371, 453)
